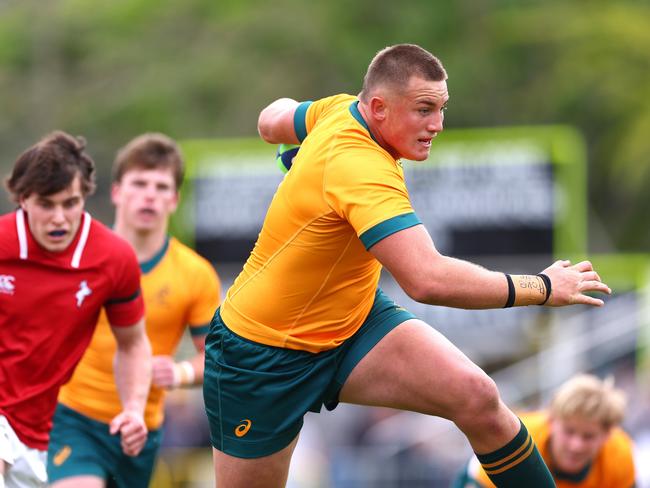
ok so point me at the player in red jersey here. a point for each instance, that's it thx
(58, 268)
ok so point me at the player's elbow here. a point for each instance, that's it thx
(424, 295)
(427, 289)
(275, 122)
(265, 128)
(421, 292)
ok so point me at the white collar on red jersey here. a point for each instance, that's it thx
(21, 228)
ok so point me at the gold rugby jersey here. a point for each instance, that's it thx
(180, 288)
(310, 281)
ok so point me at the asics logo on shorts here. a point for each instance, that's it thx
(242, 429)
(61, 456)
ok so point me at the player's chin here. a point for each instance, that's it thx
(56, 244)
(419, 155)
(419, 151)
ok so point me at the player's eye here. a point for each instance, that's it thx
(73, 202)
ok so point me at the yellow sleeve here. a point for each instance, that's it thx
(365, 188)
(207, 295)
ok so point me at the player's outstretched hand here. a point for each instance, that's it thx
(163, 374)
(570, 282)
(132, 429)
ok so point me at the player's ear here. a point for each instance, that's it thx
(377, 108)
(115, 191)
(175, 202)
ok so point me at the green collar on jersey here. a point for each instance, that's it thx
(354, 110)
(147, 266)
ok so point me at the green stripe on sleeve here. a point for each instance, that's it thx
(375, 234)
(114, 301)
(299, 123)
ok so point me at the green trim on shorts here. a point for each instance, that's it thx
(82, 446)
(257, 395)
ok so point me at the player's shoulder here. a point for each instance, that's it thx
(330, 108)
(8, 233)
(617, 458)
(335, 100)
(188, 256)
(619, 441)
(102, 235)
(7, 221)
(102, 241)
(8, 218)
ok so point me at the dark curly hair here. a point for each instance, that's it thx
(50, 166)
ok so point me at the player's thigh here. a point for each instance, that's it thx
(80, 447)
(257, 395)
(24, 467)
(414, 367)
(264, 472)
(28, 470)
(8, 441)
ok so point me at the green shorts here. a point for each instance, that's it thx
(257, 395)
(82, 446)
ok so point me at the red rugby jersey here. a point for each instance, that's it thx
(49, 305)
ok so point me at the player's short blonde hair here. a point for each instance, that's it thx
(589, 397)
(395, 65)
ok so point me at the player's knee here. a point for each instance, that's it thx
(481, 396)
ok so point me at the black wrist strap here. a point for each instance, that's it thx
(511, 292)
(547, 283)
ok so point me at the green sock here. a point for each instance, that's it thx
(517, 464)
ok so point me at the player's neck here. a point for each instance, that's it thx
(146, 243)
(373, 127)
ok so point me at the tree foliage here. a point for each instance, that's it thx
(199, 68)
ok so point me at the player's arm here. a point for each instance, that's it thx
(430, 277)
(132, 370)
(170, 374)
(275, 122)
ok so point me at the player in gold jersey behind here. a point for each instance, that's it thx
(579, 437)
(180, 289)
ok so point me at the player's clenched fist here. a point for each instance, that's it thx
(570, 283)
(132, 430)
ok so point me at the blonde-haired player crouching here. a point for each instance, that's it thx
(579, 437)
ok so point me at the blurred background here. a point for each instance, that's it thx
(546, 154)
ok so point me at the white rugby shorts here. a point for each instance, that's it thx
(25, 467)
